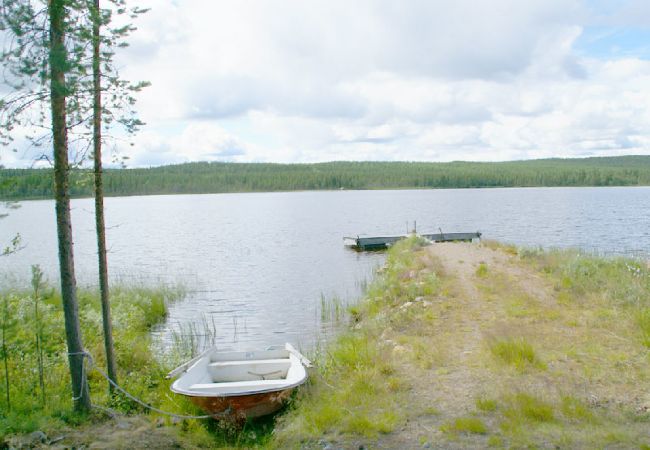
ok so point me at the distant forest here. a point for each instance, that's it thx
(205, 177)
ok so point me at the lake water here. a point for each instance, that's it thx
(257, 265)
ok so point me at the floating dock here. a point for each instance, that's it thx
(383, 242)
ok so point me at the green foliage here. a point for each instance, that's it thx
(472, 425)
(619, 283)
(28, 57)
(522, 407)
(516, 352)
(215, 177)
(352, 393)
(575, 409)
(482, 270)
(34, 337)
(642, 316)
(486, 404)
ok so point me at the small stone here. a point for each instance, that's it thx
(426, 303)
(36, 437)
(419, 299)
(426, 445)
(123, 425)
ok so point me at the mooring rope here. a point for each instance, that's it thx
(129, 395)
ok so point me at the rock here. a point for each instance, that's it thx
(418, 299)
(36, 437)
(426, 445)
(426, 303)
(123, 425)
(56, 440)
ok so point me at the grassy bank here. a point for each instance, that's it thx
(461, 345)
(35, 391)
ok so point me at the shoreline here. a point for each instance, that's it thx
(455, 346)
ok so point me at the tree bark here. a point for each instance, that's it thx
(111, 366)
(58, 92)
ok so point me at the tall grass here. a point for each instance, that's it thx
(34, 351)
(615, 282)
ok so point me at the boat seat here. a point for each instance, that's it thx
(243, 386)
(249, 370)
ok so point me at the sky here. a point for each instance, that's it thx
(431, 80)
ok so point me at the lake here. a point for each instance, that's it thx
(256, 266)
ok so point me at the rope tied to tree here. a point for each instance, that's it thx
(92, 365)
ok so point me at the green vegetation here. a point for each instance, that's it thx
(516, 352)
(546, 348)
(203, 177)
(36, 393)
(465, 425)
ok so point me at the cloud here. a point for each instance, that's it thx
(295, 81)
(196, 142)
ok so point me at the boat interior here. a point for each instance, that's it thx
(229, 373)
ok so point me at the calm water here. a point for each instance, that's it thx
(257, 265)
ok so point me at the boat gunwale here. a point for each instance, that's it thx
(189, 393)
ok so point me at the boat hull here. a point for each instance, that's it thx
(243, 406)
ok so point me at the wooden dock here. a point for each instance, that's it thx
(383, 242)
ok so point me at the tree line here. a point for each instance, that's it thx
(216, 177)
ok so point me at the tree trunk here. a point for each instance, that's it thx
(58, 92)
(99, 202)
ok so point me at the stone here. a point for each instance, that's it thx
(36, 437)
(123, 425)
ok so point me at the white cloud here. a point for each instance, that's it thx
(290, 80)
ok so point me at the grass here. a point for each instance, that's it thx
(642, 317)
(517, 352)
(561, 346)
(33, 336)
(353, 392)
(471, 425)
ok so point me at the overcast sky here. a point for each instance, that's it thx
(431, 80)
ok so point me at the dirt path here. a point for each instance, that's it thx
(449, 389)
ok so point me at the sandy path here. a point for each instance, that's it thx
(451, 390)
